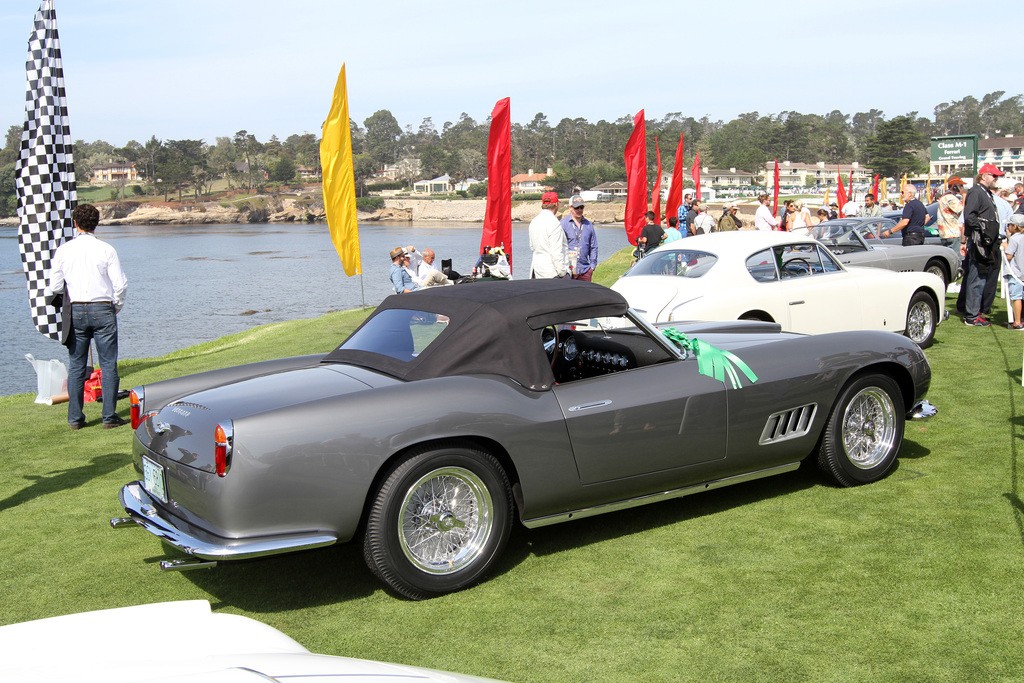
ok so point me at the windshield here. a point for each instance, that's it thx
(677, 262)
(397, 332)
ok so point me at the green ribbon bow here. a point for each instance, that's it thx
(712, 362)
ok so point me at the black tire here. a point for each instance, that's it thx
(759, 317)
(922, 318)
(936, 267)
(864, 432)
(438, 522)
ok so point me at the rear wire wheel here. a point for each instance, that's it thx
(864, 432)
(438, 522)
(936, 268)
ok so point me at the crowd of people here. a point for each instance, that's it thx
(975, 221)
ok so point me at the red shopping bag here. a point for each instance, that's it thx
(93, 386)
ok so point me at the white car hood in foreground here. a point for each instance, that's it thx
(180, 642)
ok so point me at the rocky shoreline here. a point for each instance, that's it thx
(309, 209)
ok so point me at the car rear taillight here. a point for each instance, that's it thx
(222, 437)
(135, 402)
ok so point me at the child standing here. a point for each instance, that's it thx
(1015, 267)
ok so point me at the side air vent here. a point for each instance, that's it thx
(788, 424)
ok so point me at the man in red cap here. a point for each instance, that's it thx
(547, 241)
(981, 241)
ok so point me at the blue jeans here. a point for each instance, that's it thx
(975, 288)
(95, 321)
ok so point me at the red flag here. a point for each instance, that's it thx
(675, 190)
(656, 192)
(775, 192)
(840, 191)
(498, 215)
(636, 178)
(695, 174)
(874, 188)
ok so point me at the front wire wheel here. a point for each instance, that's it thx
(922, 318)
(439, 521)
(864, 432)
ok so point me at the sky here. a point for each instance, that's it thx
(202, 69)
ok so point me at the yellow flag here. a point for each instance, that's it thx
(825, 200)
(340, 181)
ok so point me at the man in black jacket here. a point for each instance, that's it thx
(981, 239)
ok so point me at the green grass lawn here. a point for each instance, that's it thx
(914, 578)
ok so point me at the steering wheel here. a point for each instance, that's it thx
(549, 336)
(800, 262)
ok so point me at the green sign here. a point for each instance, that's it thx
(955, 148)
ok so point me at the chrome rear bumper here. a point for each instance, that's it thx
(190, 539)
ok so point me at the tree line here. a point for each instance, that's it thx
(581, 153)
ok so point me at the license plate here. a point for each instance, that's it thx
(153, 479)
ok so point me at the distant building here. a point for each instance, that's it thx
(406, 168)
(1004, 152)
(114, 172)
(530, 182)
(616, 188)
(439, 185)
(464, 185)
(307, 173)
(795, 174)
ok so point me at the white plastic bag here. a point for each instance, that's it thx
(51, 380)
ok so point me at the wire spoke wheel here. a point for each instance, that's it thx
(439, 520)
(864, 431)
(445, 519)
(922, 318)
(869, 428)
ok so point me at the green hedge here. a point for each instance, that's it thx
(370, 203)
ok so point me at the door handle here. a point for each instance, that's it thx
(796, 303)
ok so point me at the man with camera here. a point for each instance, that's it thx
(981, 241)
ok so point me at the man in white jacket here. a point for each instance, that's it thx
(547, 241)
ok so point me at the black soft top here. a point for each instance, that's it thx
(494, 328)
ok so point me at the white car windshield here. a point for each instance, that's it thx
(677, 262)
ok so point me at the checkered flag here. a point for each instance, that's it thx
(45, 169)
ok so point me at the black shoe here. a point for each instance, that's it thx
(118, 421)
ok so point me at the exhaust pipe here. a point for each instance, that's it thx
(185, 564)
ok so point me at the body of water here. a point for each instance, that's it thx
(191, 284)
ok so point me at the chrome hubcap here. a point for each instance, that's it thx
(445, 520)
(869, 428)
(919, 322)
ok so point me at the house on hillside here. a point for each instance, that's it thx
(439, 185)
(114, 172)
(616, 188)
(530, 182)
(464, 185)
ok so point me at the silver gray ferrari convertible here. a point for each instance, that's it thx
(452, 412)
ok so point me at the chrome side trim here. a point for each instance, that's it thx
(586, 406)
(657, 497)
(922, 410)
(190, 539)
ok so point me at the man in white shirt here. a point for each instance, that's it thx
(763, 218)
(90, 274)
(422, 270)
(547, 241)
